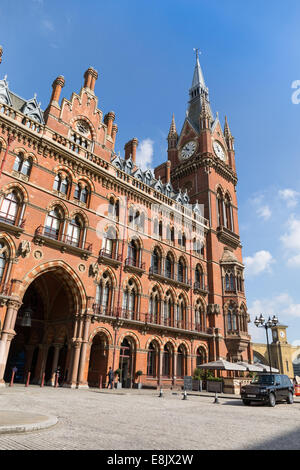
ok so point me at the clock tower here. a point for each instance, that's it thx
(202, 160)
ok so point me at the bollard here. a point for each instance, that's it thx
(216, 398)
(100, 382)
(184, 395)
(160, 392)
(12, 378)
(43, 380)
(28, 379)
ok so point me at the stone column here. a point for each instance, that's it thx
(161, 356)
(8, 334)
(54, 363)
(174, 371)
(73, 372)
(82, 381)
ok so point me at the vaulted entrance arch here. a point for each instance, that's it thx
(45, 326)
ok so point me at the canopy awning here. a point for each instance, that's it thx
(221, 364)
(250, 367)
(265, 367)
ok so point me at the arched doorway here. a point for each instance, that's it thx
(98, 360)
(39, 346)
(127, 362)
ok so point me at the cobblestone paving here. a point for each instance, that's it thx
(94, 419)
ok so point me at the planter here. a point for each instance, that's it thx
(214, 386)
(197, 385)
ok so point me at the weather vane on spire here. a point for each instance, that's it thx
(197, 50)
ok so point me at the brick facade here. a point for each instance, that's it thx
(108, 265)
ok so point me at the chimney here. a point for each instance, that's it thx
(168, 171)
(90, 77)
(109, 119)
(130, 149)
(57, 86)
(1, 52)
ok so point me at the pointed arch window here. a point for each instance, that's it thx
(201, 357)
(156, 262)
(168, 309)
(167, 360)
(181, 361)
(130, 301)
(228, 212)
(199, 277)
(61, 183)
(220, 211)
(54, 223)
(22, 165)
(133, 253)
(200, 320)
(154, 306)
(232, 320)
(110, 243)
(74, 235)
(3, 261)
(113, 209)
(82, 192)
(11, 208)
(181, 313)
(104, 294)
(169, 266)
(152, 360)
(181, 271)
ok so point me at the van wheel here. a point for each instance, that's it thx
(246, 402)
(290, 398)
(272, 400)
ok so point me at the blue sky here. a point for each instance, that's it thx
(143, 52)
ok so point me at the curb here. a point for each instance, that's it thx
(46, 422)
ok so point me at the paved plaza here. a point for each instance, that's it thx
(138, 419)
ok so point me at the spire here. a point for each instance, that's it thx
(197, 91)
(227, 132)
(198, 78)
(172, 131)
(172, 136)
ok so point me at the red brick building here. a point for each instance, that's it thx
(105, 265)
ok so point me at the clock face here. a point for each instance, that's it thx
(282, 334)
(188, 150)
(219, 150)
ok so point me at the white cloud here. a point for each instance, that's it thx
(260, 262)
(264, 212)
(48, 25)
(291, 241)
(290, 196)
(144, 154)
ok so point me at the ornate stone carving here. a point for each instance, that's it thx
(24, 248)
(94, 269)
(213, 309)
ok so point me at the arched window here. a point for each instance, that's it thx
(75, 232)
(199, 278)
(232, 322)
(22, 165)
(54, 223)
(181, 361)
(152, 360)
(133, 253)
(167, 360)
(81, 192)
(110, 243)
(168, 309)
(220, 212)
(155, 227)
(61, 183)
(200, 357)
(228, 211)
(154, 306)
(3, 261)
(183, 241)
(169, 266)
(156, 262)
(229, 282)
(181, 313)
(104, 293)
(181, 271)
(130, 301)
(200, 320)
(11, 208)
(113, 209)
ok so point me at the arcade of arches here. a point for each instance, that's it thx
(62, 334)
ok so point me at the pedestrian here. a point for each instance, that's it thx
(110, 377)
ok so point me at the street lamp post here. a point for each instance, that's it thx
(261, 322)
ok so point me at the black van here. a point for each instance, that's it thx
(268, 388)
